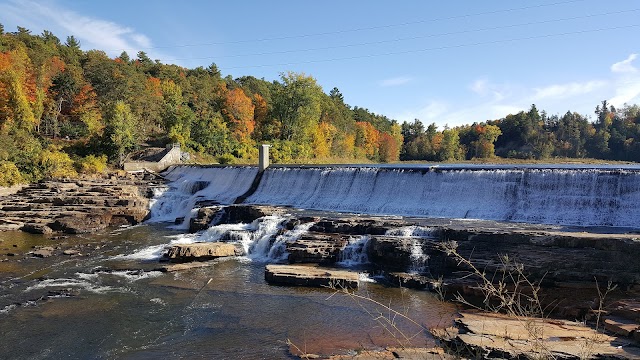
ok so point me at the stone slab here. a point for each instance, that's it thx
(201, 251)
(299, 275)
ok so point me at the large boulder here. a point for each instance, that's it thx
(43, 252)
(518, 337)
(36, 229)
(203, 218)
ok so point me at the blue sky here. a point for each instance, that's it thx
(449, 62)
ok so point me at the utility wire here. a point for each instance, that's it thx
(410, 38)
(336, 32)
(440, 47)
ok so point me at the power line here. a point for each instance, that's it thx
(289, 37)
(408, 38)
(441, 47)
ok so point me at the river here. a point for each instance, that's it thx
(110, 302)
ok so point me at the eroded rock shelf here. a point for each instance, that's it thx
(74, 206)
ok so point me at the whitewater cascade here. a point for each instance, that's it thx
(563, 196)
(415, 234)
(262, 240)
(191, 184)
(355, 253)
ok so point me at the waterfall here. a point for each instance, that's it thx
(408, 231)
(562, 196)
(263, 240)
(556, 196)
(278, 250)
(355, 253)
(415, 234)
(257, 246)
(190, 185)
(419, 260)
(255, 238)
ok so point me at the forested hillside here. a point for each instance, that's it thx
(532, 134)
(64, 110)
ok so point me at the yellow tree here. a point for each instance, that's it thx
(367, 139)
(344, 145)
(323, 139)
(18, 90)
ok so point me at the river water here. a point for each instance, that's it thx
(110, 302)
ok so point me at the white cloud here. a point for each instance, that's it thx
(431, 112)
(562, 91)
(484, 87)
(93, 33)
(479, 113)
(479, 86)
(625, 66)
(141, 40)
(627, 84)
(627, 91)
(396, 81)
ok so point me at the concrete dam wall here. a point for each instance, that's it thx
(559, 196)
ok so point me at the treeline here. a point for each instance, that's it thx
(64, 110)
(59, 105)
(614, 135)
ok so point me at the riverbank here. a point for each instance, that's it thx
(75, 206)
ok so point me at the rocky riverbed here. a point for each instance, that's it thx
(570, 267)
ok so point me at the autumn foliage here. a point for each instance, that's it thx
(94, 106)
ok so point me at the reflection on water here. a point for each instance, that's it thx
(102, 305)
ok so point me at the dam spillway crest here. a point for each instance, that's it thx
(569, 197)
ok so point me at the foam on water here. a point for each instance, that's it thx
(148, 253)
(8, 308)
(366, 278)
(128, 275)
(71, 283)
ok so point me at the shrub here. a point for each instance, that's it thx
(55, 163)
(226, 159)
(9, 174)
(92, 164)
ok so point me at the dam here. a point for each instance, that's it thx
(562, 195)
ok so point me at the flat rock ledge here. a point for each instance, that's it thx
(75, 206)
(202, 251)
(498, 336)
(390, 353)
(185, 266)
(299, 275)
